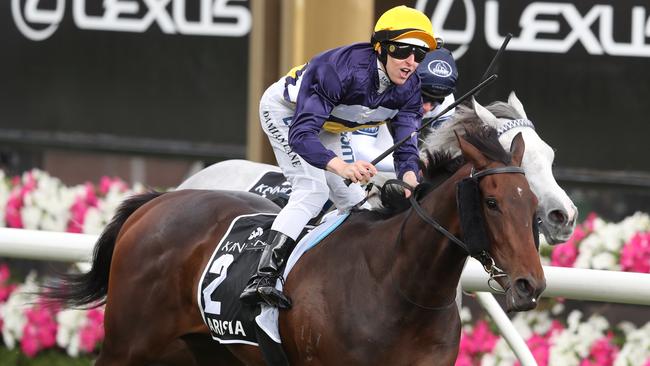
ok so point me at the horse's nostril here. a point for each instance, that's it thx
(524, 287)
(558, 217)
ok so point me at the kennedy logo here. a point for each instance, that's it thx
(543, 27)
(440, 68)
(215, 18)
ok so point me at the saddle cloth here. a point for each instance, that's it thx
(232, 263)
(273, 186)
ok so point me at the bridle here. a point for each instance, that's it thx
(476, 249)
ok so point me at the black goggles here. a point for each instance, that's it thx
(427, 97)
(402, 51)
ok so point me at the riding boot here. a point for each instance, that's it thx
(261, 287)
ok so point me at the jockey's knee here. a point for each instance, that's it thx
(310, 200)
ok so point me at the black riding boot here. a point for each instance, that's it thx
(261, 287)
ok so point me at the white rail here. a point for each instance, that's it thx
(570, 283)
(46, 245)
(576, 284)
(507, 329)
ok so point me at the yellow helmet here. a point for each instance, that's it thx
(402, 23)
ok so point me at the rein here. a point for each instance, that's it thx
(482, 256)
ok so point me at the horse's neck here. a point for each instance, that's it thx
(429, 266)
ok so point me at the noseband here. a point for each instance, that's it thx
(468, 198)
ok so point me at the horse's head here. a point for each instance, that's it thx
(503, 212)
(556, 211)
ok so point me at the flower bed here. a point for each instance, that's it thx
(32, 327)
(38, 201)
(557, 339)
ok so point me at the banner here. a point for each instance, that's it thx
(138, 75)
(581, 69)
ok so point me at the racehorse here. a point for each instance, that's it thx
(556, 211)
(379, 290)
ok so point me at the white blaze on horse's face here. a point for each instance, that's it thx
(556, 210)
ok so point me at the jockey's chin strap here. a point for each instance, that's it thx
(481, 255)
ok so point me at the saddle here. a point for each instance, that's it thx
(233, 262)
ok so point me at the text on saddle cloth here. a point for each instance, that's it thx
(233, 262)
(273, 186)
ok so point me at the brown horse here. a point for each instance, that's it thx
(379, 290)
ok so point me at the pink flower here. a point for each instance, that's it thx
(40, 330)
(588, 224)
(5, 289)
(474, 344)
(4, 273)
(29, 344)
(105, 184)
(80, 207)
(91, 197)
(564, 255)
(539, 344)
(602, 352)
(93, 332)
(635, 256)
(463, 359)
(12, 209)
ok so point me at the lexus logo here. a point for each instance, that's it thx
(544, 26)
(37, 16)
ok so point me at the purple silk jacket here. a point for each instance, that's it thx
(337, 91)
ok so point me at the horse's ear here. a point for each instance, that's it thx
(516, 104)
(471, 153)
(517, 148)
(486, 116)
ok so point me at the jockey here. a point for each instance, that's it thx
(307, 114)
(438, 77)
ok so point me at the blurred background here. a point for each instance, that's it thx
(154, 91)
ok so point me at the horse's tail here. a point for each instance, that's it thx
(79, 290)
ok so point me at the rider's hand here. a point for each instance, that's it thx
(359, 171)
(411, 179)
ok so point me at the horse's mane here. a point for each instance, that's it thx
(464, 118)
(440, 165)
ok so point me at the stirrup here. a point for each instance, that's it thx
(272, 296)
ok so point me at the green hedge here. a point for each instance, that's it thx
(15, 357)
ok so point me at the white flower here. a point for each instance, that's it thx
(70, 322)
(31, 216)
(605, 260)
(93, 222)
(501, 355)
(636, 349)
(574, 343)
(557, 308)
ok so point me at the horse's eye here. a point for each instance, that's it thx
(491, 203)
